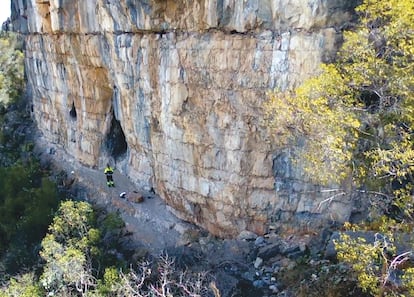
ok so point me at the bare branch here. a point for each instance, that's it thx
(395, 263)
(329, 200)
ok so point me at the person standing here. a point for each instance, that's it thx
(109, 179)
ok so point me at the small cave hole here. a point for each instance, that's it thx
(115, 142)
(72, 111)
(370, 100)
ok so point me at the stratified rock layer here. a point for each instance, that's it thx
(172, 92)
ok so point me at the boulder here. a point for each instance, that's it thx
(247, 235)
(269, 251)
(330, 251)
(135, 197)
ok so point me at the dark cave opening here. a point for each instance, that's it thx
(371, 100)
(72, 111)
(115, 142)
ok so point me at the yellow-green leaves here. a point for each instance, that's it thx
(11, 69)
(317, 113)
(343, 121)
(68, 248)
(365, 258)
(397, 161)
(23, 286)
(380, 259)
(356, 118)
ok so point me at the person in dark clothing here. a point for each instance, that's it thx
(109, 179)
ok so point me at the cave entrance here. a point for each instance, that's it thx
(115, 141)
(371, 100)
(72, 112)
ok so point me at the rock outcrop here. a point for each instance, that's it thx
(171, 92)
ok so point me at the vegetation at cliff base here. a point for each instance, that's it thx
(354, 121)
(356, 116)
(27, 202)
(78, 260)
(28, 198)
(50, 247)
(11, 68)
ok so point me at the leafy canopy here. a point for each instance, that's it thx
(22, 286)
(11, 68)
(68, 248)
(355, 117)
(27, 203)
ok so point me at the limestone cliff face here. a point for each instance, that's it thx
(172, 92)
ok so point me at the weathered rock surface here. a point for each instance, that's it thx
(172, 92)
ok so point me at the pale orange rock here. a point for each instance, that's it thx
(173, 93)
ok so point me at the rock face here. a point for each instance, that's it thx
(171, 93)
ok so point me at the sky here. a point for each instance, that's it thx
(4, 10)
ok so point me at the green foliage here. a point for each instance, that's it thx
(111, 222)
(11, 69)
(71, 253)
(27, 203)
(68, 249)
(355, 120)
(111, 227)
(354, 116)
(317, 113)
(382, 266)
(367, 261)
(23, 286)
(28, 198)
(110, 282)
(321, 279)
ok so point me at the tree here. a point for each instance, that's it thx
(11, 68)
(23, 286)
(28, 198)
(162, 279)
(72, 247)
(68, 250)
(383, 265)
(27, 203)
(355, 120)
(320, 114)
